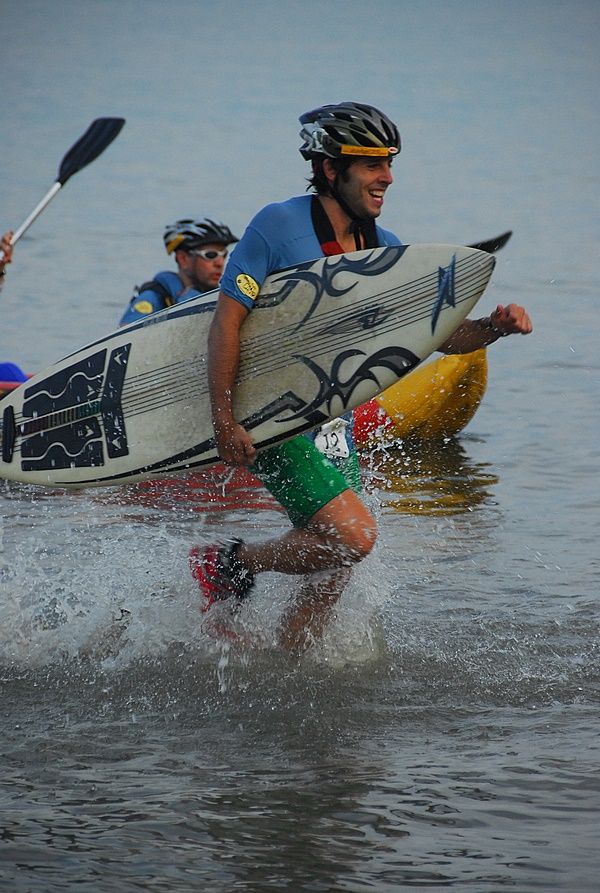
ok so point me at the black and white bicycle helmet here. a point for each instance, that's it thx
(189, 234)
(347, 129)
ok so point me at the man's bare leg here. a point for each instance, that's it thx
(306, 619)
(340, 534)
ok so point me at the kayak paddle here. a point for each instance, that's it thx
(94, 141)
(493, 245)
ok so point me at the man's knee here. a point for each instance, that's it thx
(361, 537)
(348, 523)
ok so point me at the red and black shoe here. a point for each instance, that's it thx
(219, 574)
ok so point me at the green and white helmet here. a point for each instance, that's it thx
(189, 234)
(347, 129)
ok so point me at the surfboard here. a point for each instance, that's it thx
(323, 338)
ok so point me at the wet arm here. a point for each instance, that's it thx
(233, 441)
(473, 334)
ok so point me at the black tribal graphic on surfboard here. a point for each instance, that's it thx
(323, 282)
(63, 435)
(61, 416)
(398, 359)
(323, 338)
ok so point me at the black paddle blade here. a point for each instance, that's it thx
(94, 141)
(493, 245)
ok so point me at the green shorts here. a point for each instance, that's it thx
(302, 479)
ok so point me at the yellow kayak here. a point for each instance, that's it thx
(436, 400)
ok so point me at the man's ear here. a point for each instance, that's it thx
(329, 171)
(181, 258)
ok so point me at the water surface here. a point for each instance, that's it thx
(445, 732)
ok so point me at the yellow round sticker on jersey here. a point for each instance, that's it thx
(248, 286)
(143, 307)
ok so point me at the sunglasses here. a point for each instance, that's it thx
(209, 254)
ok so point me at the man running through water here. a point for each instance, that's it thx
(351, 147)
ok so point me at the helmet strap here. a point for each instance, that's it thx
(359, 226)
(326, 235)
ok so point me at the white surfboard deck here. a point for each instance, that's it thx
(323, 337)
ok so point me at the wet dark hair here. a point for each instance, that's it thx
(319, 182)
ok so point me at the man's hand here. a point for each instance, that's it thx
(234, 444)
(511, 320)
(6, 250)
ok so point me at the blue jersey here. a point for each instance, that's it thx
(281, 235)
(163, 291)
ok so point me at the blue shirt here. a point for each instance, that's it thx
(281, 235)
(150, 300)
